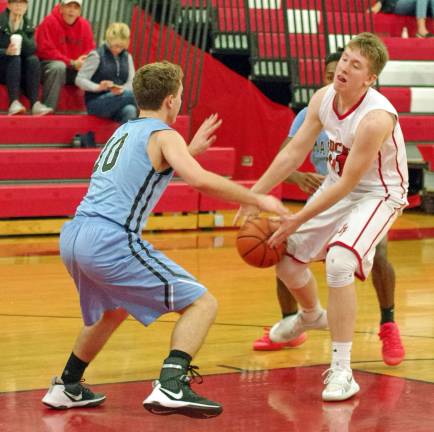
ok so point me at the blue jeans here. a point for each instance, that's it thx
(20, 72)
(120, 108)
(418, 8)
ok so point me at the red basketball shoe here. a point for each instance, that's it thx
(266, 344)
(393, 351)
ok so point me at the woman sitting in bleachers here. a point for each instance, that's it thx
(417, 8)
(18, 64)
(106, 77)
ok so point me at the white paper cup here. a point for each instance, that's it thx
(17, 40)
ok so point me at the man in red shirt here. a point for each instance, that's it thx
(63, 39)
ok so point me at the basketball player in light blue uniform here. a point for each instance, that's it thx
(116, 272)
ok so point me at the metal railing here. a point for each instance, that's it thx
(100, 13)
(174, 31)
(288, 40)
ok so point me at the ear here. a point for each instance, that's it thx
(170, 101)
(371, 80)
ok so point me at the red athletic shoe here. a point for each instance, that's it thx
(393, 351)
(266, 344)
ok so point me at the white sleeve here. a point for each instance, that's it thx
(86, 72)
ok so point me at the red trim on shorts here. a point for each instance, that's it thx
(397, 166)
(381, 175)
(367, 223)
(351, 110)
(295, 259)
(375, 238)
(360, 275)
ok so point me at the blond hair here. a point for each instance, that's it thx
(153, 82)
(117, 31)
(372, 48)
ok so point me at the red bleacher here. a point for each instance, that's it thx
(61, 199)
(71, 99)
(60, 129)
(64, 164)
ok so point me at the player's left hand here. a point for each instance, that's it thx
(266, 203)
(288, 226)
(204, 136)
(245, 212)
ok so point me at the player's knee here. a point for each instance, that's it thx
(292, 273)
(112, 318)
(380, 258)
(208, 303)
(341, 264)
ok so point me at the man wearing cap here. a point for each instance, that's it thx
(63, 39)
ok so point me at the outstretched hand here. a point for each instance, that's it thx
(204, 136)
(289, 224)
(267, 203)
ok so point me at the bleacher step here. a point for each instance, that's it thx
(24, 129)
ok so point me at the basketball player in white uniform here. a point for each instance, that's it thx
(350, 213)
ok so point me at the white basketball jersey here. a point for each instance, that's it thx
(388, 175)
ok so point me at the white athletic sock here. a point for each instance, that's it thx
(312, 314)
(341, 355)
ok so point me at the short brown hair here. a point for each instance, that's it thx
(153, 82)
(372, 48)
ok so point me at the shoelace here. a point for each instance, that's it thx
(192, 375)
(390, 338)
(330, 372)
(266, 335)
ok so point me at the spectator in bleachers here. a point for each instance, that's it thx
(418, 8)
(64, 39)
(107, 76)
(19, 65)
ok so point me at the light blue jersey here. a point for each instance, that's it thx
(320, 151)
(102, 248)
(124, 187)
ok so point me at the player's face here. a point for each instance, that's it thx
(70, 12)
(353, 72)
(330, 72)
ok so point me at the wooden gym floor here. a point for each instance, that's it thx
(40, 317)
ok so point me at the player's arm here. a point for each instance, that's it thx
(293, 154)
(371, 133)
(175, 153)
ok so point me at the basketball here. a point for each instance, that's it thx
(252, 243)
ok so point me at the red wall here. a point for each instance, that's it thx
(252, 124)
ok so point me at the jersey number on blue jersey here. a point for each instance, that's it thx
(111, 152)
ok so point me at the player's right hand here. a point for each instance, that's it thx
(308, 182)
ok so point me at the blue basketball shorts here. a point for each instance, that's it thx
(113, 268)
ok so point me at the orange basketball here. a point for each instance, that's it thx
(252, 243)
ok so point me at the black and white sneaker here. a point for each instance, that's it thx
(75, 395)
(175, 396)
